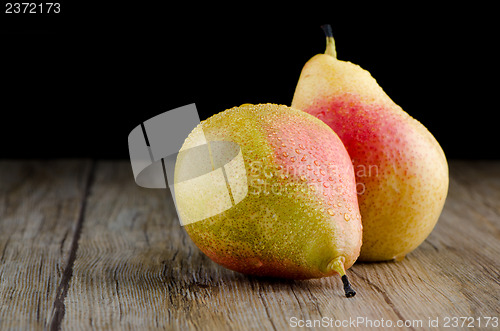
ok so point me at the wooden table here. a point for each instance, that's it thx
(83, 247)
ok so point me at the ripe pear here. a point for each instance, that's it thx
(292, 210)
(401, 170)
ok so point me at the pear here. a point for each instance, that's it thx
(401, 170)
(292, 209)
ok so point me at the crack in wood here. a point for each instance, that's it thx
(296, 298)
(315, 300)
(5, 248)
(266, 308)
(117, 288)
(59, 308)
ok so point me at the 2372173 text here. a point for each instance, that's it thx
(32, 8)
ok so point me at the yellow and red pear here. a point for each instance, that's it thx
(401, 170)
(299, 217)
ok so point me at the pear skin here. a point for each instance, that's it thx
(401, 170)
(300, 217)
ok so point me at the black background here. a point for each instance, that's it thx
(76, 83)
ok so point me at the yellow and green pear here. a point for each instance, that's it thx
(292, 209)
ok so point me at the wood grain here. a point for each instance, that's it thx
(40, 203)
(135, 267)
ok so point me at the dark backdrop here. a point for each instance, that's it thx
(74, 84)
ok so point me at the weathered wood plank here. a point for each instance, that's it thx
(136, 268)
(39, 207)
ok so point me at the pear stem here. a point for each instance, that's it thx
(338, 266)
(349, 291)
(330, 42)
